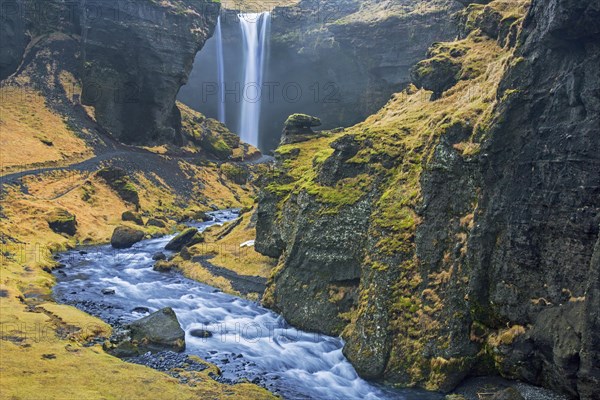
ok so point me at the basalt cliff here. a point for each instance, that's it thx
(455, 232)
(134, 56)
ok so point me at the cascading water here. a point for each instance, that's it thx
(220, 69)
(255, 28)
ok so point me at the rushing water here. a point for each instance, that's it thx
(248, 340)
(255, 29)
(220, 69)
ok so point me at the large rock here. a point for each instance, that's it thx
(124, 237)
(158, 331)
(298, 128)
(62, 221)
(129, 216)
(188, 237)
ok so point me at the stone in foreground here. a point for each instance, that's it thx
(159, 331)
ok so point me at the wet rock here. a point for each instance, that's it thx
(159, 331)
(62, 221)
(188, 237)
(201, 333)
(124, 237)
(108, 291)
(164, 266)
(159, 256)
(141, 310)
(130, 216)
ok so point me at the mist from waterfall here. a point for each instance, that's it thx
(255, 29)
(220, 70)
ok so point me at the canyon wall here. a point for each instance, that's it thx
(454, 233)
(135, 55)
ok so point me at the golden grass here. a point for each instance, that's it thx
(32, 134)
(227, 253)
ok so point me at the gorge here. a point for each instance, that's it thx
(387, 199)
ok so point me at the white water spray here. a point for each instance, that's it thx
(221, 69)
(255, 28)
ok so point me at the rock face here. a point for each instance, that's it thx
(473, 249)
(124, 237)
(135, 56)
(132, 217)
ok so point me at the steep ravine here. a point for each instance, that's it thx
(452, 233)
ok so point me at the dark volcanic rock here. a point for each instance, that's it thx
(156, 222)
(188, 237)
(201, 333)
(124, 237)
(159, 331)
(130, 216)
(134, 70)
(62, 221)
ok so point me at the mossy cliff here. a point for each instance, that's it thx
(451, 233)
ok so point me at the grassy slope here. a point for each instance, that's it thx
(41, 347)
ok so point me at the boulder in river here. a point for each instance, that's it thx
(164, 266)
(201, 333)
(159, 256)
(188, 237)
(159, 331)
(124, 237)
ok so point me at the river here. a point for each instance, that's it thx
(248, 341)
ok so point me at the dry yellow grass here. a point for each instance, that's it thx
(227, 253)
(32, 134)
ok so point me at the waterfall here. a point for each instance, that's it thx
(221, 69)
(255, 28)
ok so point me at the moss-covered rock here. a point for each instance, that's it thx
(61, 221)
(156, 223)
(118, 180)
(188, 237)
(164, 266)
(124, 237)
(130, 216)
(236, 173)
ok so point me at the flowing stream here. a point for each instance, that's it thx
(248, 342)
(255, 29)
